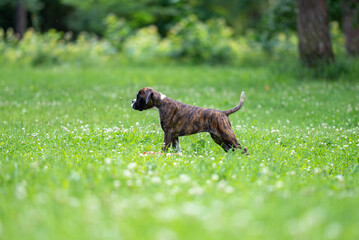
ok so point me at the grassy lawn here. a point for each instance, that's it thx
(72, 162)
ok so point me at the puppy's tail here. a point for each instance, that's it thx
(235, 109)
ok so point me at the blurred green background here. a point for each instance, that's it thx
(212, 31)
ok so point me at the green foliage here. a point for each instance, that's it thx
(191, 40)
(73, 164)
(52, 48)
(280, 18)
(146, 45)
(210, 41)
(337, 38)
(265, 18)
(117, 30)
(88, 14)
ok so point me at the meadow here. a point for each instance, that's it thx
(73, 162)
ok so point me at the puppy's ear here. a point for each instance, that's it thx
(148, 96)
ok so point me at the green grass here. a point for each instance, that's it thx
(72, 163)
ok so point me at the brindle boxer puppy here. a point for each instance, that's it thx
(179, 119)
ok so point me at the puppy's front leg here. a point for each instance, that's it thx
(176, 145)
(167, 141)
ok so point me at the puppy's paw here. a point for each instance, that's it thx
(245, 151)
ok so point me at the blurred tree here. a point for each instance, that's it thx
(315, 46)
(21, 9)
(281, 17)
(6, 15)
(20, 18)
(351, 26)
(53, 15)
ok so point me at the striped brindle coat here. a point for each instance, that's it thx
(178, 119)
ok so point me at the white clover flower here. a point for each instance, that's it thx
(340, 178)
(156, 180)
(159, 197)
(214, 177)
(166, 234)
(184, 178)
(265, 170)
(107, 161)
(129, 183)
(74, 175)
(192, 209)
(139, 182)
(222, 184)
(167, 214)
(196, 191)
(20, 190)
(279, 184)
(127, 173)
(229, 189)
(116, 183)
(132, 166)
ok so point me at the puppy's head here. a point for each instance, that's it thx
(144, 99)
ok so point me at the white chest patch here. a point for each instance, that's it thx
(162, 96)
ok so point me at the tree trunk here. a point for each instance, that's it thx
(351, 26)
(20, 19)
(315, 46)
